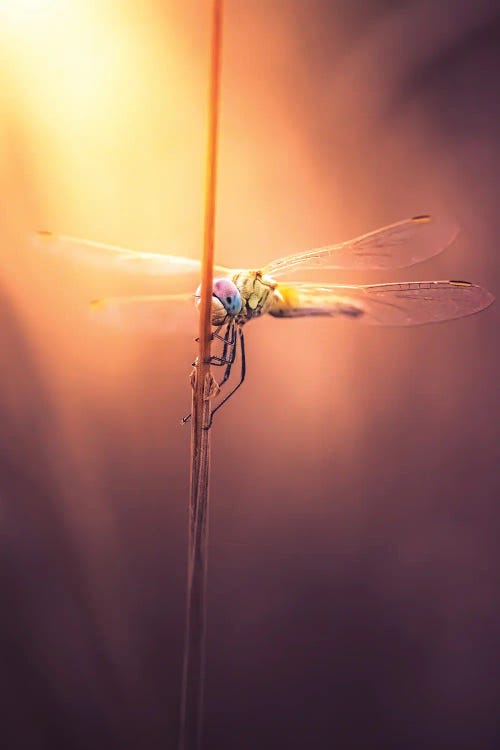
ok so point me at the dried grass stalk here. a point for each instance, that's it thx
(204, 388)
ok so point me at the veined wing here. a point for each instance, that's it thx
(398, 245)
(153, 313)
(399, 304)
(118, 259)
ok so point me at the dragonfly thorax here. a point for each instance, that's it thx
(256, 292)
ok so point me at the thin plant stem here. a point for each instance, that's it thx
(203, 388)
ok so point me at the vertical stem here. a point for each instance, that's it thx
(191, 712)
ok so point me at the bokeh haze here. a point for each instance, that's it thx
(353, 580)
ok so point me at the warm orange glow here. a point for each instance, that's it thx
(353, 481)
(103, 137)
(24, 9)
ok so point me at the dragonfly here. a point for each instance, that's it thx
(240, 296)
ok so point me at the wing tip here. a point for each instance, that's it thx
(484, 297)
(447, 229)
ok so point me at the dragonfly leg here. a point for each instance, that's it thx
(215, 334)
(228, 350)
(229, 340)
(227, 357)
(242, 378)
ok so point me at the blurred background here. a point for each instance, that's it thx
(353, 581)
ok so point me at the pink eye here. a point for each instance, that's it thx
(228, 295)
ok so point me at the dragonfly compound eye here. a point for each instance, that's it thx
(227, 293)
(218, 313)
(226, 300)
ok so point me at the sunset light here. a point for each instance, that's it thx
(352, 547)
(28, 11)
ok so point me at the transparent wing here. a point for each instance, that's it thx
(398, 245)
(119, 259)
(399, 304)
(160, 313)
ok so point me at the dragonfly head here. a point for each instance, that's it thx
(226, 300)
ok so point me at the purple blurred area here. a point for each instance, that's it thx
(353, 587)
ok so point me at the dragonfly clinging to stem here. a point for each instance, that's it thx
(240, 296)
